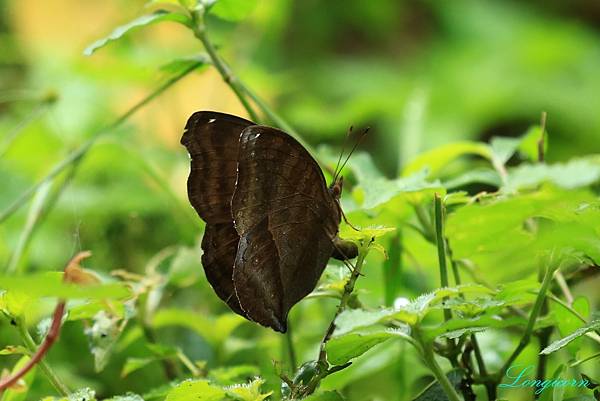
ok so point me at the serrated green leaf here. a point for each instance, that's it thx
(126, 397)
(556, 345)
(233, 374)
(144, 20)
(573, 174)
(233, 10)
(351, 319)
(248, 392)
(378, 192)
(341, 349)
(199, 390)
(365, 234)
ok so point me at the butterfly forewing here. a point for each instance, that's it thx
(212, 140)
(286, 219)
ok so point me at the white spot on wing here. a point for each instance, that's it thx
(212, 120)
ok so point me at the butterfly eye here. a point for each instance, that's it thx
(336, 188)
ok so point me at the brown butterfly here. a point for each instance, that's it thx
(271, 220)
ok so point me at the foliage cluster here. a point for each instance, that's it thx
(488, 261)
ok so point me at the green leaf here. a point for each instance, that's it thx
(573, 174)
(475, 176)
(436, 159)
(351, 319)
(199, 390)
(378, 192)
(133, 364)
(214, 331)
(233, 374)
(82, 394)
(248, 392)
(367, 233)
(556, 345)
(233, 10)
(568, 322)
(144, 20)
(51, 285)
(126, 397)
(325, 396)
(342, 349)
(14, 349)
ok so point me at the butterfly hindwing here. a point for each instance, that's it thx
(286, 219)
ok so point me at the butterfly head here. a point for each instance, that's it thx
(335, 189)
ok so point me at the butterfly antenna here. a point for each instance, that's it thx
(336, 172)
(362, 137)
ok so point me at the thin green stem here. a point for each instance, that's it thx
(437, 371)
(425, 221)
(53, 378)
(199, 29)
(589, 358)
(537, 307)
(241, 90)
(80, 152)
(348, 290)
(441, 247)
(289, 345)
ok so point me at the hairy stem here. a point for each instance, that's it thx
(81, 151)
(348, 290)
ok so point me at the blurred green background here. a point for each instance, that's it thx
(420, 73)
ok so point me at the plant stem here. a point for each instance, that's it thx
(80, 152)
(437, 371)
(425, 223)
(542, 141)
(199, 29)
(241, 90)
(60, 387)
(348, 289)
(441, 247)
(537, 307)
(169, 366)
(289, 345)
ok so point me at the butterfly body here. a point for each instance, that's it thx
(271, 220)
